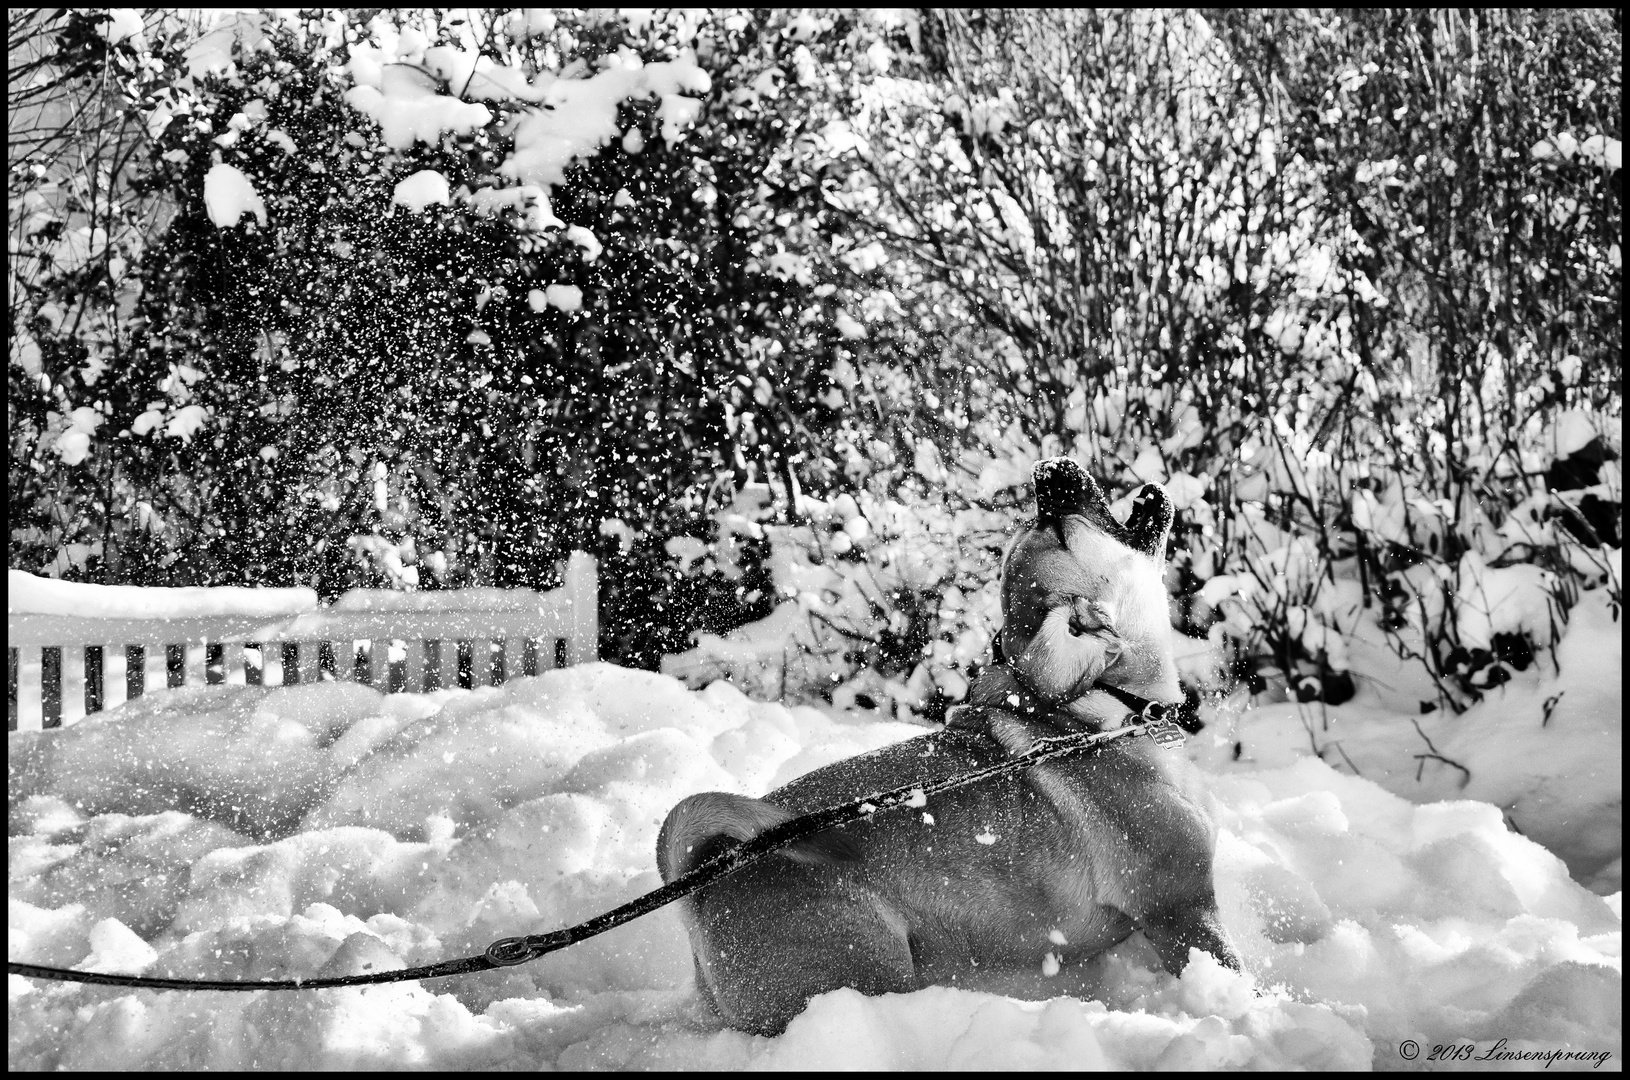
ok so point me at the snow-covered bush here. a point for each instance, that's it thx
(1354, 429)
(439, 300)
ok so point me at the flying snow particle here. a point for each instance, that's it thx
(987, 837)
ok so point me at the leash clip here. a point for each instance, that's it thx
(1160, 727)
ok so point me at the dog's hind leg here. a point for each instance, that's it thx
(767, 953)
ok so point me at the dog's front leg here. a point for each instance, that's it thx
(1175, 930)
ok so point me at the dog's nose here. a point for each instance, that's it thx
(1063, 488)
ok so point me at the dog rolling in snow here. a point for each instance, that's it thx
(1006, 877)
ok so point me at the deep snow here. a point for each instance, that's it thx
(252, 832)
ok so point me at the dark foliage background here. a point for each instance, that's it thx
(1344, 271)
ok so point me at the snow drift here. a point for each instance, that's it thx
(252, 832)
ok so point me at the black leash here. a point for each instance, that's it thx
(1149, 720)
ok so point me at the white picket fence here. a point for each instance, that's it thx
(63, 667)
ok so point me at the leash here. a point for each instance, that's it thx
(1151, 720)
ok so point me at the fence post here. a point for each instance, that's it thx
(582, 588)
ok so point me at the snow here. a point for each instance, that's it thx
(74, 445)
(479, 598)
(581, 116)
(28, 594)
(564, 297)
(586, 240)
(414, 112)
(228, 195)
(1505, 600)
(126, 23)
(186, 422)
(1572, 430)
(257, 832)
(1545, 748)
(427, 187)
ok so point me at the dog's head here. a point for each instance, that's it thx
(1084, 596)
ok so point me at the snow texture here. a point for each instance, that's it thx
(250, 832)
(228, 195)
(427, 187)
(28, 594)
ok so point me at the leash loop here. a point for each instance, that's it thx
(507, 952)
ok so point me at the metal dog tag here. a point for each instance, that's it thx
(1166, 733)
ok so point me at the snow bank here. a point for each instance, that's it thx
(251, 832)
(27, 594)
(1546, 748)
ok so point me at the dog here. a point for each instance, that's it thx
(995, 879)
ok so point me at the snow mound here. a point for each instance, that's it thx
(253, 832)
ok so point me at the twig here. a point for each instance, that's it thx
(1435, 756)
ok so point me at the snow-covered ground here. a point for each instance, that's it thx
(260, 832)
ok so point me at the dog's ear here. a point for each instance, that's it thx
(1150, 522)
(1063, 487)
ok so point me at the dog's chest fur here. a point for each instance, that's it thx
(1130, 587)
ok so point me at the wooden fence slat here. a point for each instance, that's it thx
(11, 688)
(231, 662)
(254, 663)
(29, 688)
(214, 663)
(289, 652)
(581, 592)
(496, 661)
(363, 661)
(158, 664)
(395, 670)
(413, 665)
(310, 662)
(73, 681)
